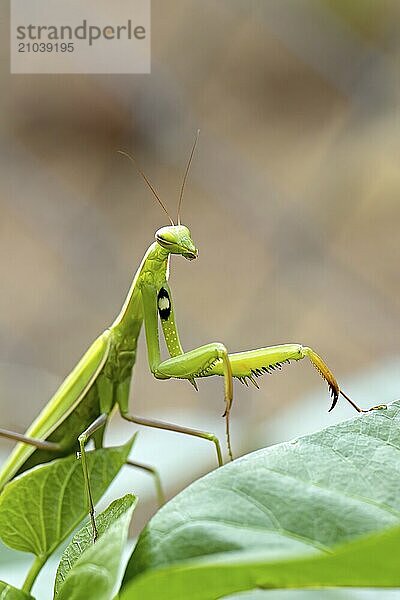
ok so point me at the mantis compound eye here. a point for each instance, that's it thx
(163, 242)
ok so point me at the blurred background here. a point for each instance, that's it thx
(292, 199)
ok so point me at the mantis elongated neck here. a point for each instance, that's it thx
(154, 266)
(152, 271)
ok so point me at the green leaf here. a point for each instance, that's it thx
(118, 514)
(371, 561)
(8, 592)
(297, 498)
(42, 506)
(90, 571)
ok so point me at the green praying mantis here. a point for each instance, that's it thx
(82, 406)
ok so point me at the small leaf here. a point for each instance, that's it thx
(83, 539)
(8, 592)
(297, 498)
(90, 571)
(41, 507)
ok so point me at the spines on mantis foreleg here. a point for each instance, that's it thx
(167, 317)
(247, 366)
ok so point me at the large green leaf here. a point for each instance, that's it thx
(8, 592)
(371, 561)
(90, 571)
(296, 498)
(42, 506)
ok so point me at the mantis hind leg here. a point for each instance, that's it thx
(82, 439)
(25, 439)
(156, 478)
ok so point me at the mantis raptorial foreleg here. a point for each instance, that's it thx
(254, 363)
(182, 365)
(196, 363)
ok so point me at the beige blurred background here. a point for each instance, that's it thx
(293, 201)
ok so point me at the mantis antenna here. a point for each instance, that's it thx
(147, 181)
(178, 218)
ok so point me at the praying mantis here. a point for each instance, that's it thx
(82, 406)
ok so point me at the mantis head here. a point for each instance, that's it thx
(176, 239)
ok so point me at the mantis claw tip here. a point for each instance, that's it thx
(333, 404)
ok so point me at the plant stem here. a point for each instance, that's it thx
(33, 573)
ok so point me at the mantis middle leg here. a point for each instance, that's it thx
(123, 402)
(156, 478)
(177, 428)
(82, 439)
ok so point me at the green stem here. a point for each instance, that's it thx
(33, 573)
